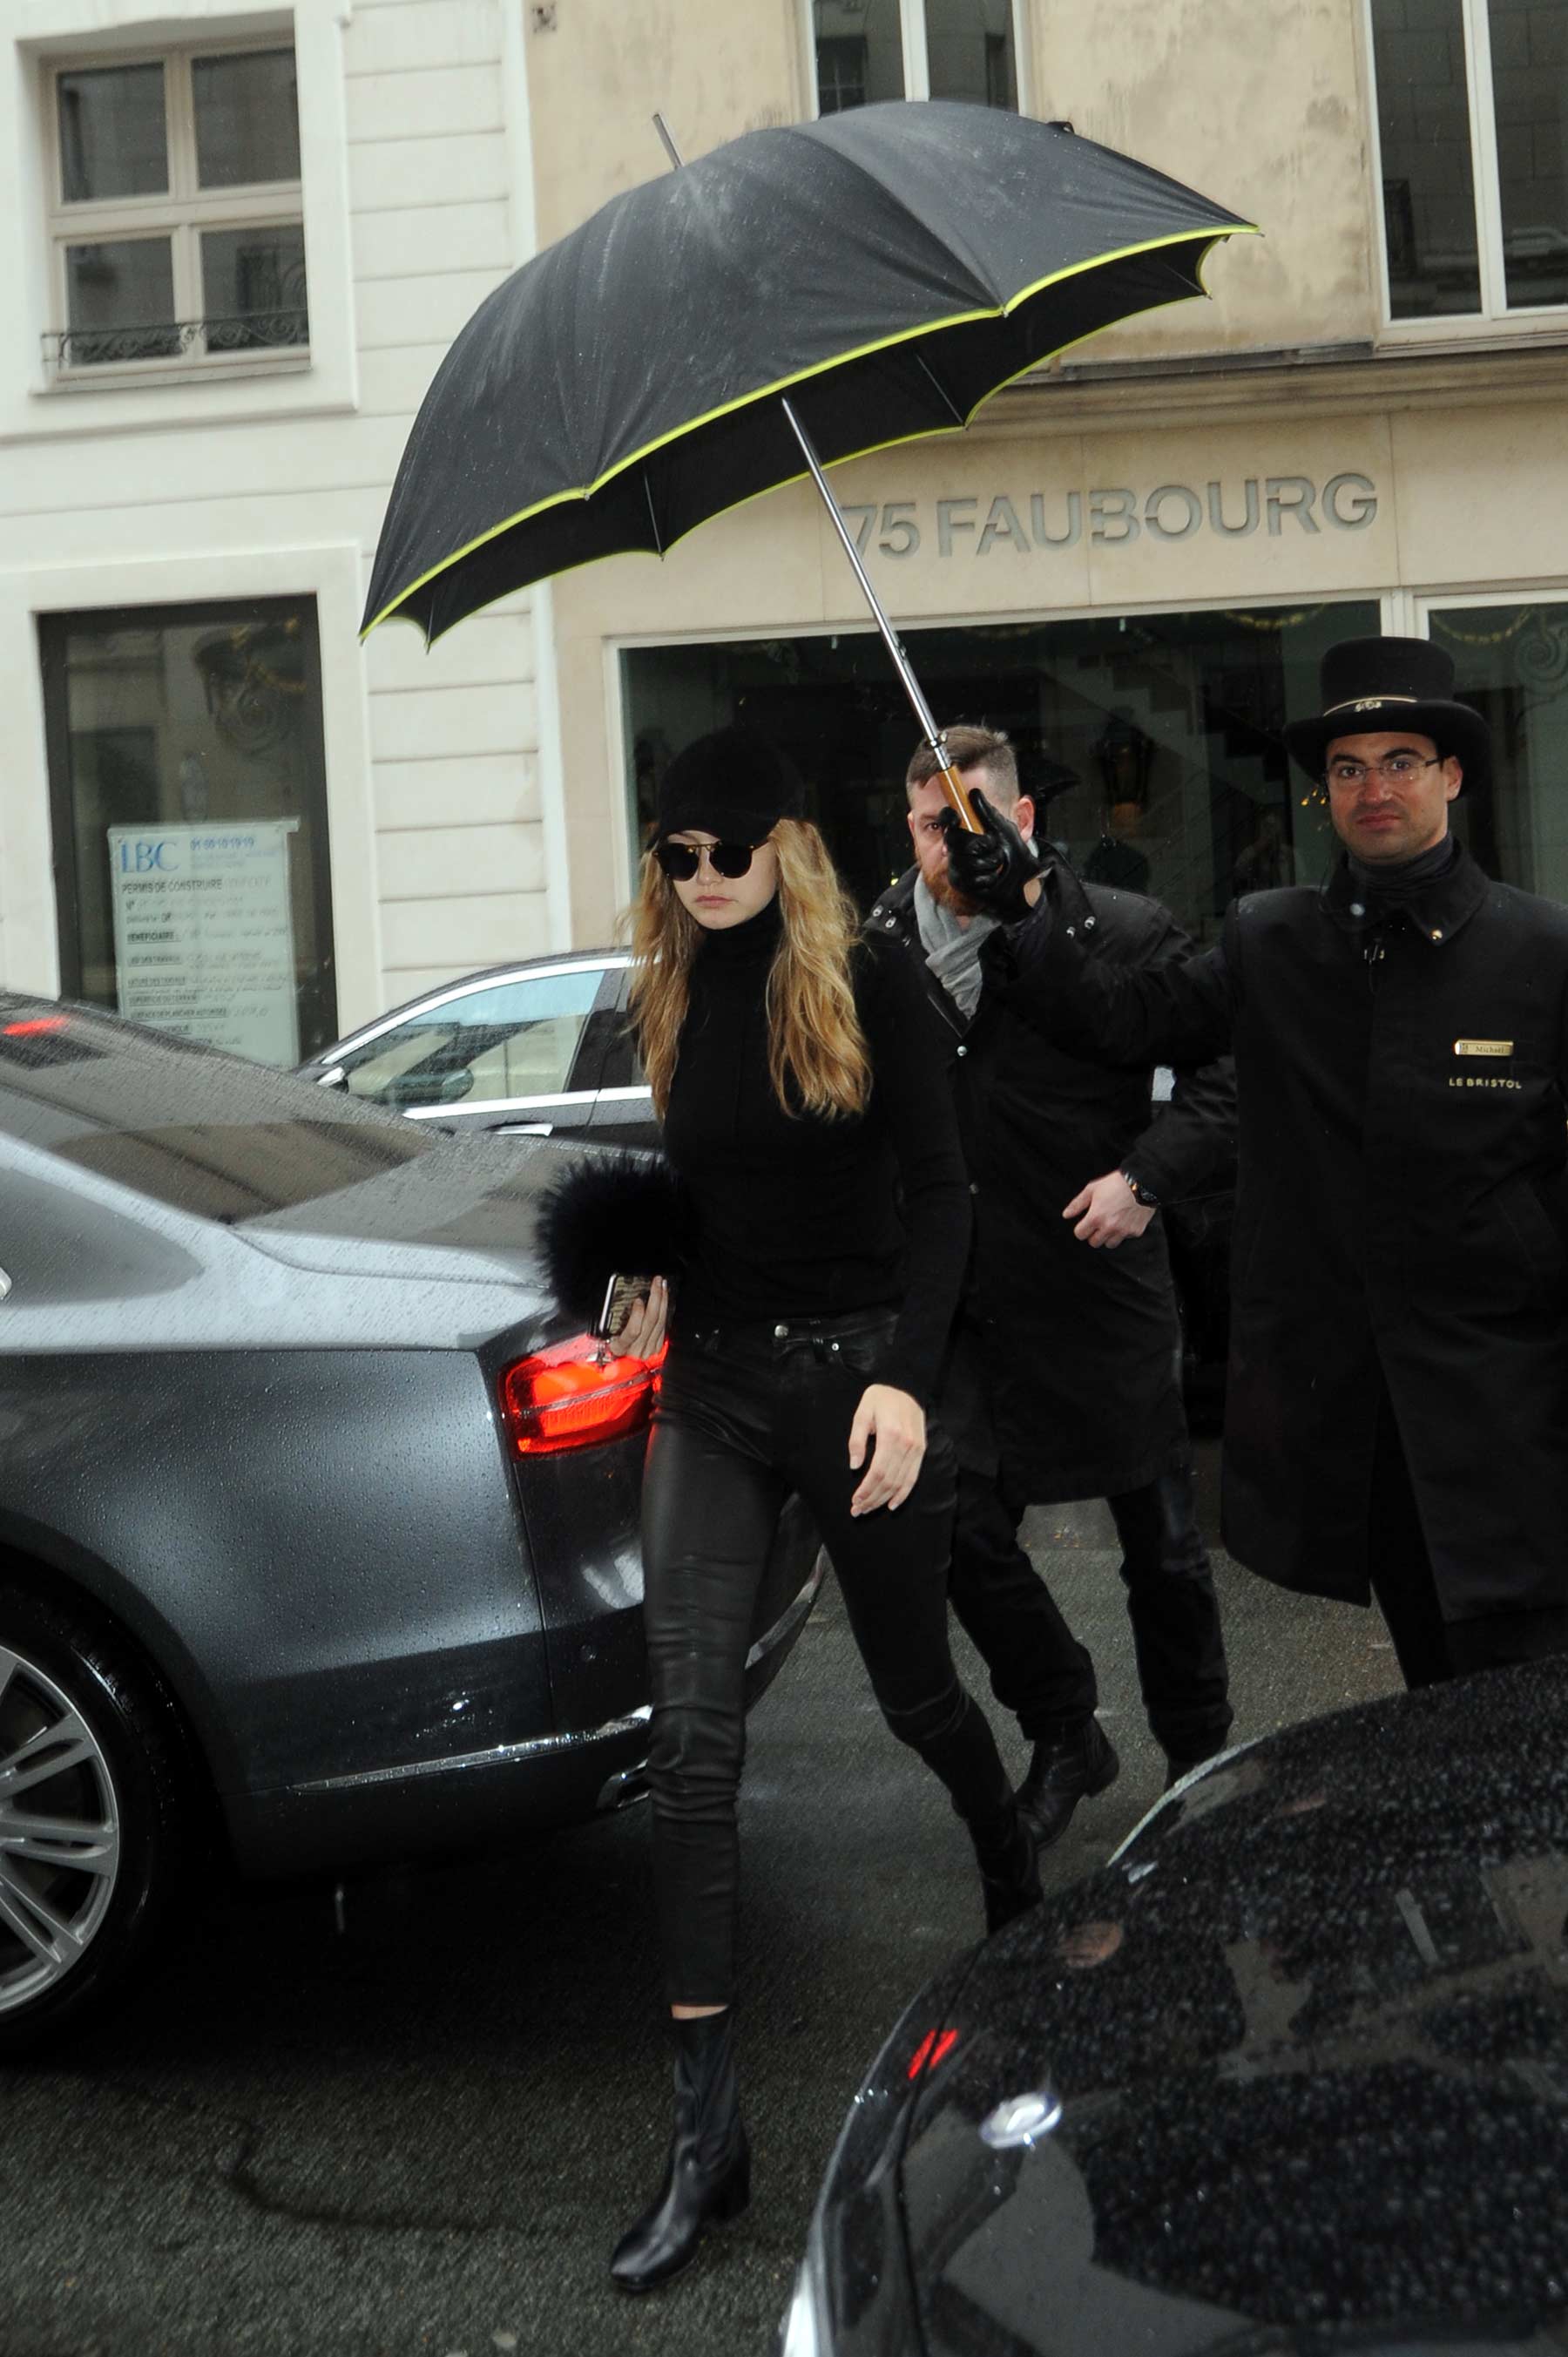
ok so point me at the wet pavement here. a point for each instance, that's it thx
(421, 2133)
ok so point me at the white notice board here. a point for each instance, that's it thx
(204, 933)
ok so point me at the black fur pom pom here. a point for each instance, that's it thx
(612, 1214)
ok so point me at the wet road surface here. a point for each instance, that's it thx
(421, 2133)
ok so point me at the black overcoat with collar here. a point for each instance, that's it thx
(1074, 1352)
(1402, 1214)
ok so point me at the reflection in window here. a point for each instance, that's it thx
(518, 1039)
(955, 48)
(188, 776)
(860, 52)
(1153, 743)
(1435, 138)
(1530, 92)
(112, 136)
(1511, 663)
(119, 300)
(253, 288)
(176, 211)
(1423, 125)
(247, 119)
(969, 51)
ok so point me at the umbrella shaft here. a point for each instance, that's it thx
(952, 783)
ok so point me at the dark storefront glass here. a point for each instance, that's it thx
(1511, 663)
(188, 781)
(1153, 740)
(1423, 125)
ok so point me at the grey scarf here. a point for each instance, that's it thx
(953, 951)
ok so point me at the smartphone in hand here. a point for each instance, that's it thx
(622, 1296)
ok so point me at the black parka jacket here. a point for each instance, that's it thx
(1402, 1215)
(1076, 1349)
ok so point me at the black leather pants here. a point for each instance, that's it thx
(745, 1418)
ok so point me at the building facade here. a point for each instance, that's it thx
(240, 242)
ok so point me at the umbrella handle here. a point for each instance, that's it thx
(952, 783)
(957, 792)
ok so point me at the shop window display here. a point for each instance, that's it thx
(187, 779)
(1153, 743)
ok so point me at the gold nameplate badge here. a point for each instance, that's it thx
(1482, 1047)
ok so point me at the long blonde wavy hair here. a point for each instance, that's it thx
(817, 1056)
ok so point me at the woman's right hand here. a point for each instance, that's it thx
(642, 1335)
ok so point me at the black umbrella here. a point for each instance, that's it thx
(886, 269)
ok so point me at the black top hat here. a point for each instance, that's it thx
(1370, 685)
(732, 783)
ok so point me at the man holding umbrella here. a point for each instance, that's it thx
(1398, 1407)
(1062, 1378)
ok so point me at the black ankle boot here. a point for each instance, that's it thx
(1066, 1770)
(709, 2172)
(1009, 1867)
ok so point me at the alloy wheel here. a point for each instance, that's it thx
(59, 1833)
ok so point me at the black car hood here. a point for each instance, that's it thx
(1308, 2037)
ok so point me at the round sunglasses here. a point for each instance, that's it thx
(680, 861)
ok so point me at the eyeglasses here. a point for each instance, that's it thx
(1398, 769)
(680, 861)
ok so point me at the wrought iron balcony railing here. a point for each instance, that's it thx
(70, 348)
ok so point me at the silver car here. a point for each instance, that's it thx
(541, 1048)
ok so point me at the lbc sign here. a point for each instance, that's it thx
(146, 855)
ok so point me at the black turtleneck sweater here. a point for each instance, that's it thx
(798, 1217)
(1388, 888)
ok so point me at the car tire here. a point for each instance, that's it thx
(99, 1816)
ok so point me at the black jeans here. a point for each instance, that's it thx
(1038, 1669)
(1427, 1648)
(745, 1418)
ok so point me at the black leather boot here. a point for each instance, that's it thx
(709, 2173)
(1066, 1770)
(1009, 1867)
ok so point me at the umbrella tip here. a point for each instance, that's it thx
(676, 159)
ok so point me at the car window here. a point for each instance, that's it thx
(622, 1067)
(517, 1038)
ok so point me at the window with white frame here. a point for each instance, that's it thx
(870, 50)
(1472, 102)
(175, 223)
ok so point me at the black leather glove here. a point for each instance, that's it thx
(990, 868)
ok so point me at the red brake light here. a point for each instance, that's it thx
(33, 1026)
(566, 1398)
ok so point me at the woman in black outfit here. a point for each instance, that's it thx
(801, 1095)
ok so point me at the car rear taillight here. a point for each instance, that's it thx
(568, 1397)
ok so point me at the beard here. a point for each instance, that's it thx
(946, 895)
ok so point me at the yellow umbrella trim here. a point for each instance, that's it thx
(840, 360)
